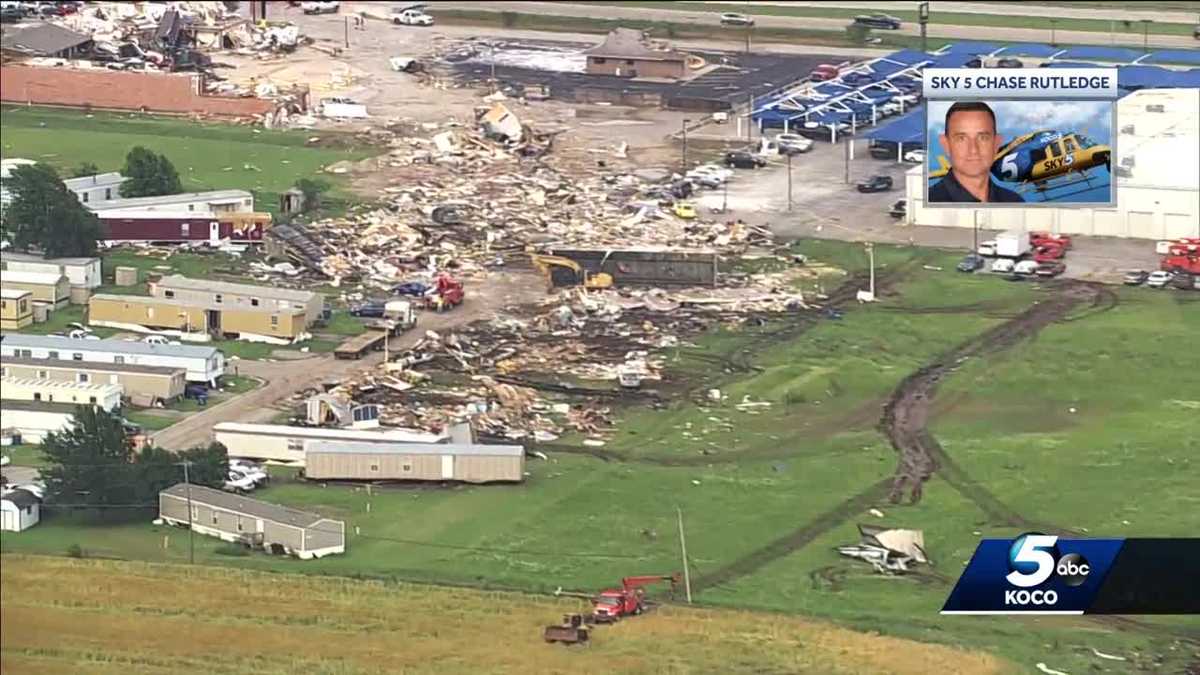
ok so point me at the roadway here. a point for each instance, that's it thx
(1032, 9)
(984, 33)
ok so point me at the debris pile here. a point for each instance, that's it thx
(888, 550)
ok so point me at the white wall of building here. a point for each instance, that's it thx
(15, 519)
(34, 424)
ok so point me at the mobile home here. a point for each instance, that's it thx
(216, 201)
(34, 419)
(234, 518)
(48, 288)
(149, 314)
(288, 445)
(106, 396)
(149, 382)
(223, 295)
(80, 272)
(16, 308)
(472, 463)
(154, 226)
(201, 364)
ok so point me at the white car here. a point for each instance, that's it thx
(987, 248)
(1002, 265)
(250, 470)
(412, 15)
(319, 7)
(4, 460)
(793, 143)
(159, 340)
(735, 19)
(1159, 279)
(236, 482)
(915, 156)
(721, 171)
(1026, 267)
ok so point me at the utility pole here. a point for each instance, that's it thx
(1053, 25)
(347, 32)
(789, 182)
(687, 578)
(975, 231)
(750, 118)
(685, 162)
(923, 18)
(749, 29)
(1146, 34)
(493, 60)
(191, 531)
(847, 178)
(725, 196)
(871, 256)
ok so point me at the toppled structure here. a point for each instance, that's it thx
(888, 550)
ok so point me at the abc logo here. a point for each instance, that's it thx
(1034, 557)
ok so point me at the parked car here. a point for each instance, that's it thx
(368, 310)
(250, 469)
(149, 339)
(1184, 281)
(791, 143)
(412, 15)
(970, 263)
(1159, 279)
(236, 482)
(1051, 269)
(975, 62)
(735, 19)
(1026, 267)
(876, 184)
(196, 392)
(915, 156)
(899, 208)
(708, 180)
(823, 72)
(325, 7)
(1003, 265)
(884, 21)
(1010, 63)
(11, 14)
(744, 160)
(1136, 278)
(414, 289)
(884, 151)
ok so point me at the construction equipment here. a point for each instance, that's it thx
(610, 604)
(448, 293)
(570, 273)
(574, 629)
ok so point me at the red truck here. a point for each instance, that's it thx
(630, 599)
(448, 293)
(1181, 263)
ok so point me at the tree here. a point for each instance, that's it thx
(45, 214)
(89, 464)
(148, 174)
(857, 33)
(85, 169)
(314, 190)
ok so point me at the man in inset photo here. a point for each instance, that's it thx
(971, 142)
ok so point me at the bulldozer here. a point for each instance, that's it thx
(572, 271)
(574, 629)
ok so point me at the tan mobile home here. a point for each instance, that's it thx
(49, 288)
(415, 461)
(16, 308)
(154, 382)
(226, 296)
(132, 311)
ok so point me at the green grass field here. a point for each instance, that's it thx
(208, 156)
(747, 478)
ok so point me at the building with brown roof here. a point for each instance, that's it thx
(629, 53)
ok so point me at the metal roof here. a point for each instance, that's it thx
(61, 384)
(391, 436)
(166, 200)
(13, 293)
(20, 498)
(109, 346)
(246, 506)
(18, 277)
(66, 409)
(473, 449)
(62, 364)
(181, 282)
(44, 39)
(30, 258)
(110, 179)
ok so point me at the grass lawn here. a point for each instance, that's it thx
(812, 459)
(208, 156)
(107, 617)
(193, 265)
(152, 420)
(231, 385)
(997, 20)
(24, 454)
(344, 324)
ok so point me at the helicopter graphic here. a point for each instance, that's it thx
(1044, 159)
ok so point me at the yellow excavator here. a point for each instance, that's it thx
(546, 264)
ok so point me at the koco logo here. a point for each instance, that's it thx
(1033, 558)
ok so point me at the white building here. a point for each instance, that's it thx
(98, 189)
(33, 420)
(19, 510)
(1157, 146)
(202, 364)
(200, 204)
(107, 396)
(81, 272)
(288, 445)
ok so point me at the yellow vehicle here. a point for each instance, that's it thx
(569, 272)
(684, 210)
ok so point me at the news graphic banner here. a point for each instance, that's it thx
(1049, 84)
(1047, 574)
(1012, 137)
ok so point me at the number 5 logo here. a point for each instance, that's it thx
(1008, 167)
(1027, 555)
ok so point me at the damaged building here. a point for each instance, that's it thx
(627, 52)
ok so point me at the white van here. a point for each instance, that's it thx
(1003, 265)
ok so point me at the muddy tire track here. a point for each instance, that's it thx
(907, 412)
(794, 540)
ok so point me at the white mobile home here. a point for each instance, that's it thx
(107, 396)
(288, 444)
(97, 189)
(80, 272)
(202, 364)
(34, 419)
